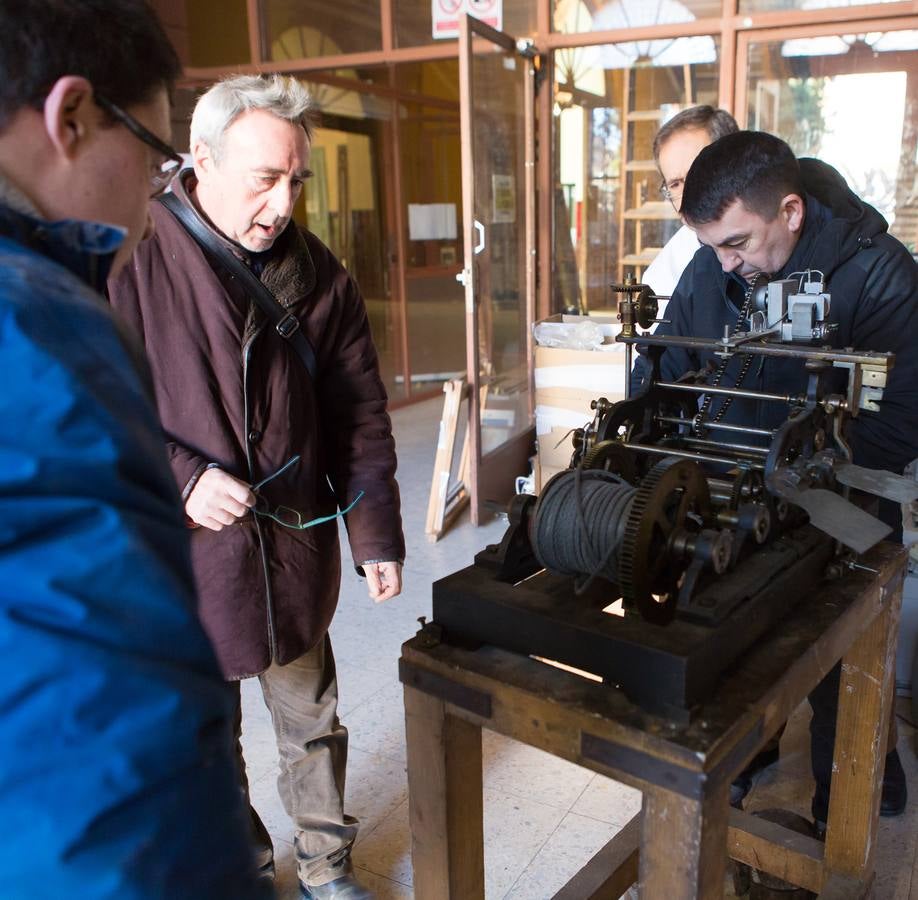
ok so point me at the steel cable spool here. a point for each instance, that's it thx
(578, 524)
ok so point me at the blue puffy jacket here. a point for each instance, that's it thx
(117, 776)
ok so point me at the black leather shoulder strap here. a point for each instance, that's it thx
(285, 323)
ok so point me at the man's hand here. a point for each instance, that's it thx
(218, 499)
(384, 580)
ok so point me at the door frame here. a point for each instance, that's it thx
(486, 481)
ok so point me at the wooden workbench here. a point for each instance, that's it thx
(675, 847)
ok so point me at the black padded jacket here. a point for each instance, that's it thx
(873, 283)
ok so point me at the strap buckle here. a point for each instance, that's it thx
(288, 325)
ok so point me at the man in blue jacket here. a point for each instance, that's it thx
(756, 208)
(116, 773)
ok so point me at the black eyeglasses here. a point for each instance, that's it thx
(160, 178)
(669, 191)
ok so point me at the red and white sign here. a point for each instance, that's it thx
(446, 15)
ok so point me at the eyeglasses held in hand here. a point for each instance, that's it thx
(284, 515)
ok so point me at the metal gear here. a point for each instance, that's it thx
(744, 478)
(674, 496)
(611, 456)
(646, 305)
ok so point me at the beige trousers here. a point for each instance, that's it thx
(302, 698)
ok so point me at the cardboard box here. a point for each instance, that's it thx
(566, 382)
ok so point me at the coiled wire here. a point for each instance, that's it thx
(579, 522)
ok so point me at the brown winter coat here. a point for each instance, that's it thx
(230, 392)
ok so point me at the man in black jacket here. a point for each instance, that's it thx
(756, 208)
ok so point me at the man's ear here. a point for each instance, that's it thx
(793, 208)
(70, 114)
(203, 158)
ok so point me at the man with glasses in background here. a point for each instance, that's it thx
(275, 419)
(116, 776)
(675, 147)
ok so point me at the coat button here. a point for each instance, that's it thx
(254, 436)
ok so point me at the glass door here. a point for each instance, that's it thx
(496, 124)
(845, 94)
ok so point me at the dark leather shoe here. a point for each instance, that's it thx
(345, 888)
(895, 788)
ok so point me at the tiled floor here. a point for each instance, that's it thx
(544, 817)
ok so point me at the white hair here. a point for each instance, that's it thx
(281, 95)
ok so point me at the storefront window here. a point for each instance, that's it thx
(200, 43)
(183, 103)
(344, 206)
(414, 20)
(579, 16)
(432, 210)
(610, 100)
(806, 90)
(305, 29)
(757, 6)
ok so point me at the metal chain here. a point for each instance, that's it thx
(698, 421)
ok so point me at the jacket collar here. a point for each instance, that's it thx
(289, 273)
(85, 248)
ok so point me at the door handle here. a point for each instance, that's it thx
(480, 231)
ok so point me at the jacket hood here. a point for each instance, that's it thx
(851, 224)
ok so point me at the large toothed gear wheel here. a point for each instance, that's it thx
(673, 497)
(611, 456)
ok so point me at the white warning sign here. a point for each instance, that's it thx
(446, 15)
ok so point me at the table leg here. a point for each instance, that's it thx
(445, 801)
(864, 706)
(683, 844)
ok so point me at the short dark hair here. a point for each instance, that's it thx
(754, 167)
(117, 45)
(717, 123)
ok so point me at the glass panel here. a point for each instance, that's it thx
(499, 144)
(610, 219)
(190, 26)
(432, 194)
(804, 90)
(304, 29)
(342, 205)
(414, 20)
(749, 6)
(183, 103)
(579, 16)
(438, 79)
(436, 330)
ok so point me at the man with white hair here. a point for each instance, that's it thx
(268, 386)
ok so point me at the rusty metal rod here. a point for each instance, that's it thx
(731, 392)
(744, 429)
(698, 457)
(737, 448)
